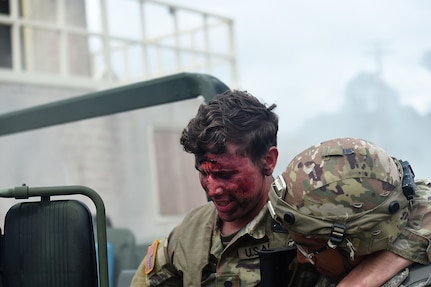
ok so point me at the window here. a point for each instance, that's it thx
(5, 40)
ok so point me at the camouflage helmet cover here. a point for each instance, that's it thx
(344, 182)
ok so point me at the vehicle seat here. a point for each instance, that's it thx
(50, 244)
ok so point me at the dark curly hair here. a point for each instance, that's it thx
(234, 117)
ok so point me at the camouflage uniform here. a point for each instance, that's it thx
(354, 184)
(414, 241)
(418, 228)
(193, 254)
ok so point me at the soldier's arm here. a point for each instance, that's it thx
(411, 246)
(156, 269)
(375, 270)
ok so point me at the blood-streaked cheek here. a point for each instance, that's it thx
(243, 183)
(244, 186)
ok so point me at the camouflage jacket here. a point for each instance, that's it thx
(414, 242)
(415, 276)
(200, 259)
(193, 254)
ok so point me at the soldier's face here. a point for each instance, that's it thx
(234, 183)
(329, 262)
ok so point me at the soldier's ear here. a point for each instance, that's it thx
(270, 160)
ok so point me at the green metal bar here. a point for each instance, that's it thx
(24, 192)
(135, 96)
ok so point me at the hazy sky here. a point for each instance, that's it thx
(301, 54)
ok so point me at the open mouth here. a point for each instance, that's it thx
(223, 205)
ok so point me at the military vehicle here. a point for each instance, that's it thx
(50, 242)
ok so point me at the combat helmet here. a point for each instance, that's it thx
(346, 190)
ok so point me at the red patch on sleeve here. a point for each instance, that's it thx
(150, 259)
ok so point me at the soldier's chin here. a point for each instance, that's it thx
(228, 217)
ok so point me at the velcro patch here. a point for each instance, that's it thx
(150, 259)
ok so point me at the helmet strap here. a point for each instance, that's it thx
(351, 248)
(347, 265)
(337, 235)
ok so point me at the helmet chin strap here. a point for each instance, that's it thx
(347, 257)
(352, 250)
(347, 263)
(338, 234)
